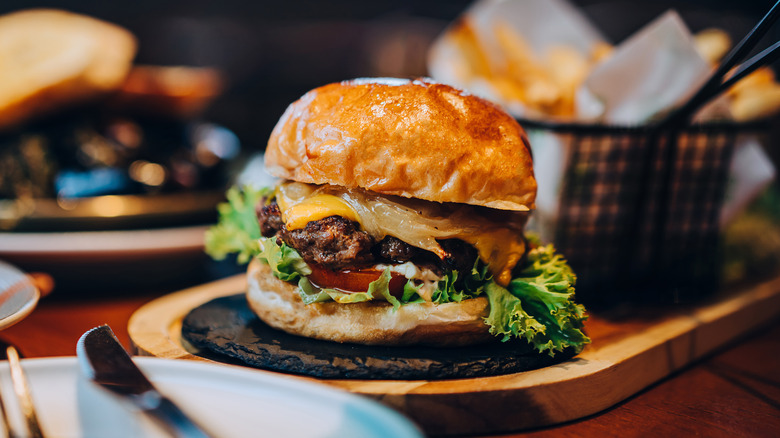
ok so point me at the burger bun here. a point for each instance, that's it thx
(416, 139)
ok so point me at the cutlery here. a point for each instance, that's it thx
(23, 396)
(5, 421)
(105, 362)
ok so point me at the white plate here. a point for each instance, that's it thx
(18, 296)
(102, 242)
(229, 401)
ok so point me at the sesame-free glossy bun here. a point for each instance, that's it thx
(417, 139)
(278, 304)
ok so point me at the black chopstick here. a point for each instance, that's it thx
(715, 84)
(767, 56)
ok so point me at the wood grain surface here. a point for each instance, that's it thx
(733, 392)
(629, 353)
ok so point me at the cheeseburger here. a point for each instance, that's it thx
(399, 221)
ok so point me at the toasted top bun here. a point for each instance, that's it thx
(51, 58)
(278, 304)
(416, 139)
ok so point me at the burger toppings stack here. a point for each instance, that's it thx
(398, 221)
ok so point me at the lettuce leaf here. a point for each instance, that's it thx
(411, 293)
(285, 262)
(507, 317)
(472, 286)
(376, 289)
(237, 230)
(538, 305)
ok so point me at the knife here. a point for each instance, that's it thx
(105, 362)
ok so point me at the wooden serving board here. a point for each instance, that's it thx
(627, 355)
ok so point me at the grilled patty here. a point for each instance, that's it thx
(337, 243)
(269, 217)
(333, 242)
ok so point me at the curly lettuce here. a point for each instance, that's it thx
(237, 229)
(448, 290)
(285, 262)
(536, 306)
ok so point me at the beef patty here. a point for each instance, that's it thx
(336, 243)
(333, 242)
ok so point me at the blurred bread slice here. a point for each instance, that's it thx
(50, 59)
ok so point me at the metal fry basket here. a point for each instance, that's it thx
(638, 208)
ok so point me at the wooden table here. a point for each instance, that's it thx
(735, 392)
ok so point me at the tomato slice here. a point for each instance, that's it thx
(354, 280)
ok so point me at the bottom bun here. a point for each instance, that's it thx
(278, 304)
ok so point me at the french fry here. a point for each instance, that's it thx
(521, 67)
(548, 84)
(465, 37)
(756, 96)
(516, 51)
(506, 62)
(756, 102)
(568, 68)
(509, 89)
(712, 44)
(758, 79)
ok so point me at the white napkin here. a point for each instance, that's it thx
(649, 73)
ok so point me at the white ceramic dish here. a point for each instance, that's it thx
(83, 262)
(227, 400)
(18, 296)
(97, 243)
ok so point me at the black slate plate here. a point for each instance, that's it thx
(226, 329)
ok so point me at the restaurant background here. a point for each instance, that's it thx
(270, 53)
(273, 52)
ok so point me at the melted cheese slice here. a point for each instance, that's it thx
(501, 248)
(419, 223)
(315, 208)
